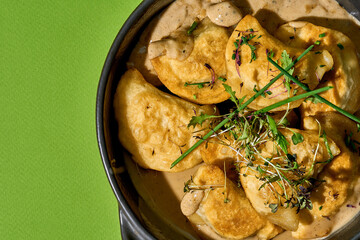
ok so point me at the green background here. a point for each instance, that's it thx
(52, 181)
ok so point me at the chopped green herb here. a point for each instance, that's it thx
(236, 44)
(194, 96)
(278, 136)
(252, 47)
(317, 42)
(322, 35)
(222, 79)
(259, 36)
(318, 52)
(192, 28)
(200, 84)
(340, 46)
(285, 62)
(313, 100)
(264, 93)
(273, 207)
(322, 66)
(226, 200)
(297, 138)
(233, 56)
(321, 207)
(349, 142)
(200, 119)
(358, 127)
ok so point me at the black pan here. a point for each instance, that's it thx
(131, 222)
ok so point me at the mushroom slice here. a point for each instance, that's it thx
(248, 69)
(153, 124)
(220, 210)
(344, 76)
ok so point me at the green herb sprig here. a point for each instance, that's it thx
(239, 108)
(306, 88)
(192, 27)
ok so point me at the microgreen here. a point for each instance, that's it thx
(278, 136)
(200, 119)
(323, 135)
(199, 84)
(297, 138)
(231, 115)
(285, 62)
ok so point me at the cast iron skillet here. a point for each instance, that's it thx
(131, 223)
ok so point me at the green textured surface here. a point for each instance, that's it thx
(52, 181)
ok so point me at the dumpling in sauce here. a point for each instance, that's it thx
(224, 148)
(310, 157)
(344, 76)
(339, 175)
(220, 209)
(248, 69)
(204, 65)
(153, 124)
(218, 150)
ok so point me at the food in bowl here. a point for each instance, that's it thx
(268, 107)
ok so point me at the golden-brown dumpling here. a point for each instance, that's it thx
(247, 73)
(218, 150)
(209, 48)
(306, 154)
(344, 76)
(153, 124)
(339, 175)
(224, 210)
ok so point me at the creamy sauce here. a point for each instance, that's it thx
(162, 192)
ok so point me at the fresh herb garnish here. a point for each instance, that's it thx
(340, 46)
(273, 207)
(322, 35)
(306, 88)
(297, 138)
(192, 27)
(317, 42)
(278, 136)
(200, 84)
(264, 94)
(222, 79)
(245, 40)
(231, 115)
(285, 62)
(350, 142)
(200, 119)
